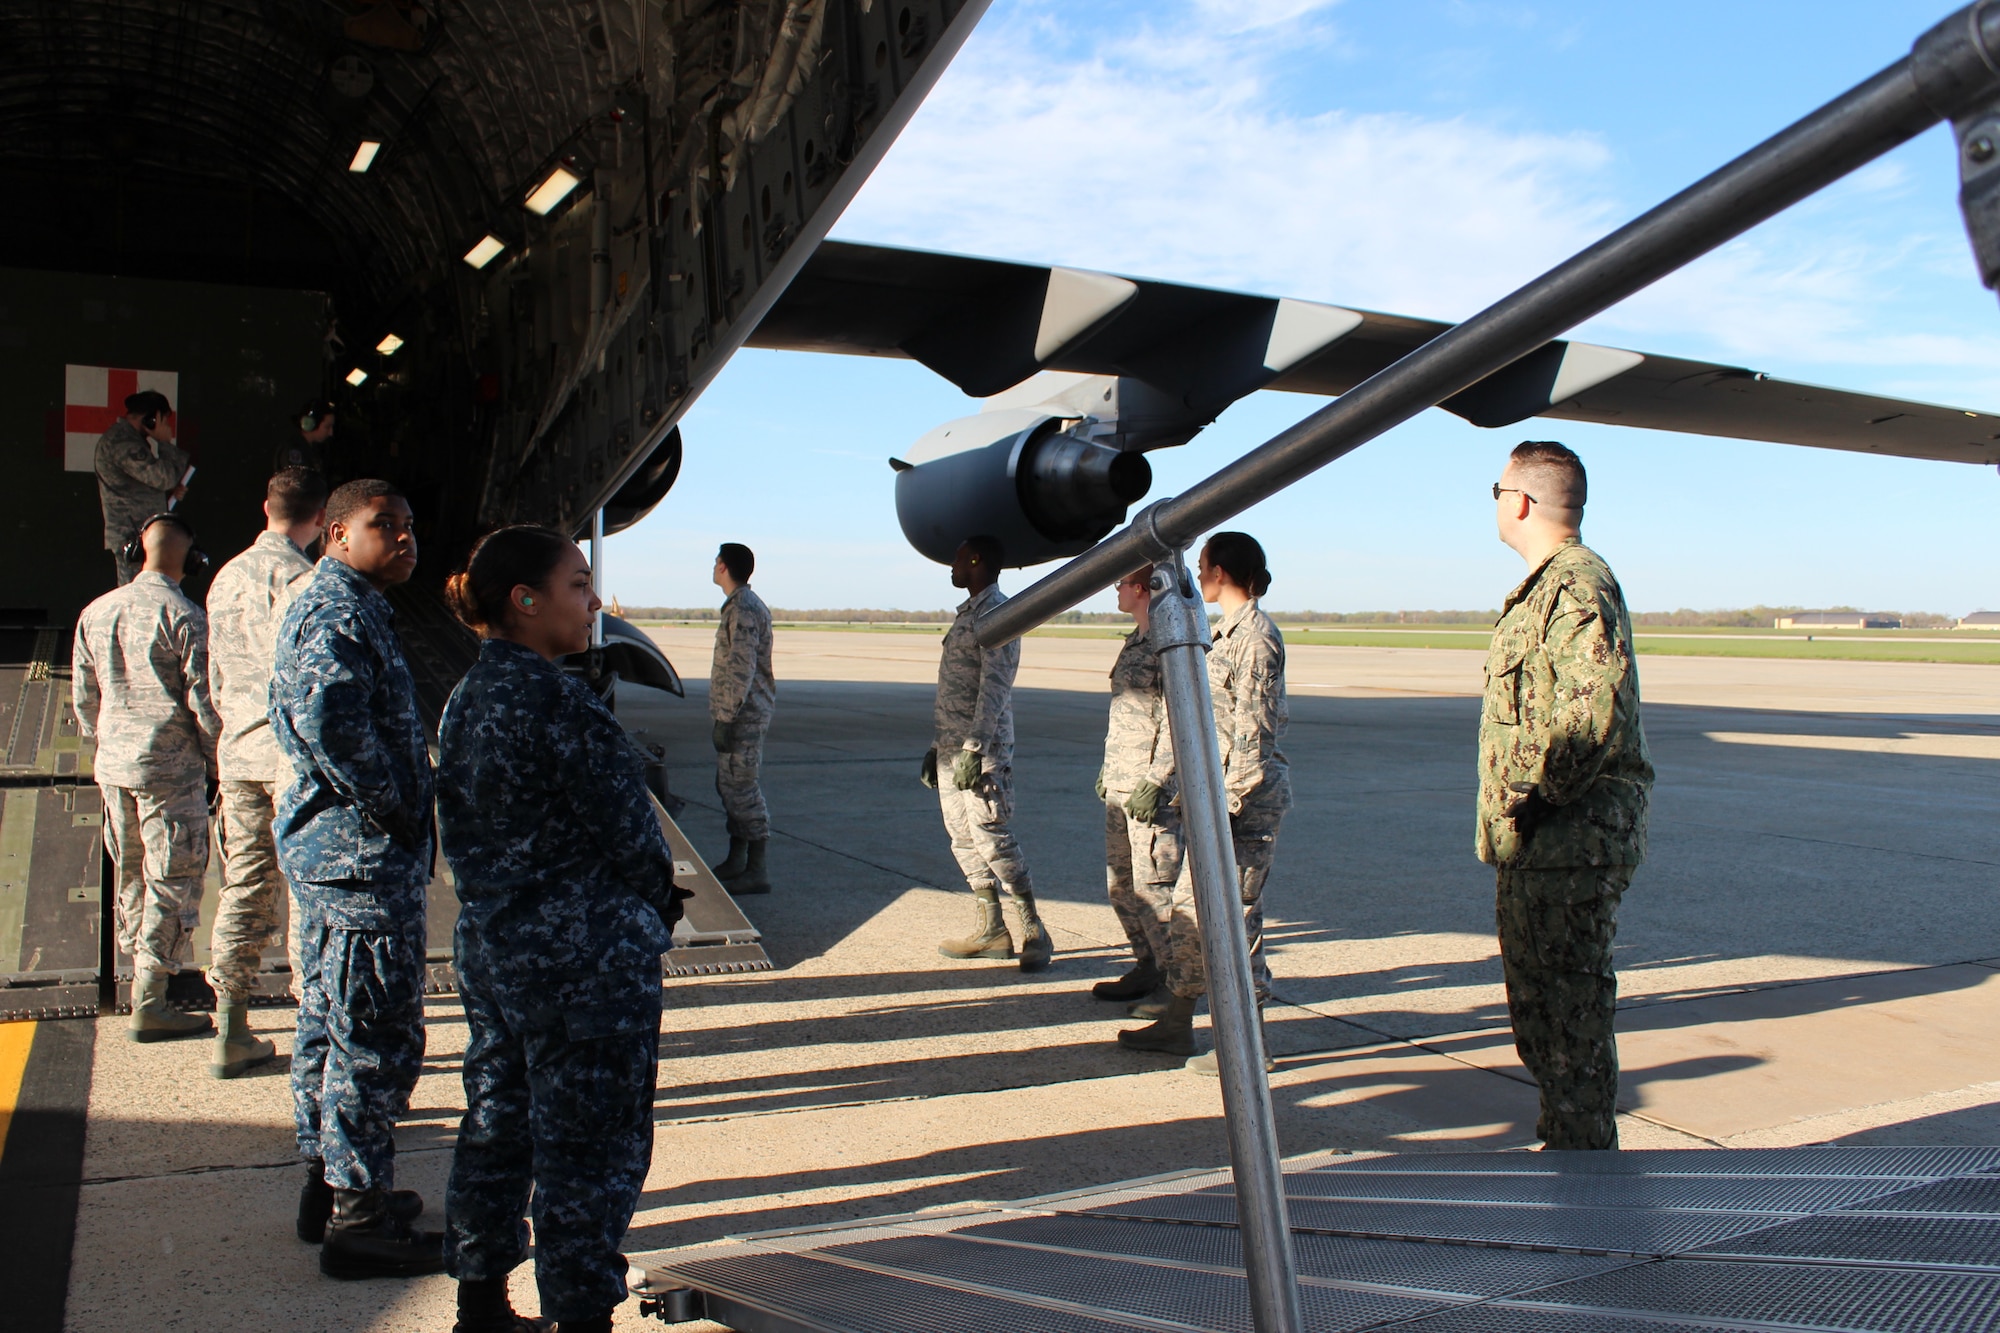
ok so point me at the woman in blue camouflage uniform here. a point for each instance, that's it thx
(568, 902)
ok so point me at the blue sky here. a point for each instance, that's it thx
(1425, 157)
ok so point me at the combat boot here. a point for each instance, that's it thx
(365, 1239)
(1173, 1034)
(1205, 1062)
(753, 878)
(1153, 1005)
(730, 866)
(152, 1020)
(1141, 981)
(1036, 946)
(989, 938)
(316, 1204)
(236, 1047)
(483, 1307)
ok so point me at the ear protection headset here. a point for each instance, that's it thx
(313, 414)
(134, 551)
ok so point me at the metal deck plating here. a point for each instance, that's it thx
(1888, 1240)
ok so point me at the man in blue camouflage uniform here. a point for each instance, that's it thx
(566, 882)
(354, 831)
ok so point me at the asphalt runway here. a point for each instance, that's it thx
(1811, 954)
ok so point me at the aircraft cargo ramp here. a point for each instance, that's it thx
(1883, 1239)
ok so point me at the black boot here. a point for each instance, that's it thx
(754, 879)
(316, 1204)
(1136, 984)
(483, 1307)
(363, 1239)
(730, 866)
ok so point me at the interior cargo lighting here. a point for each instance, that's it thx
(480, 255)
(553, 190)
(357, 377)
(390, 342)
(364, 156)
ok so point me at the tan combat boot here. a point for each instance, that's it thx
(989, 938)
(1172, 1034)
(1036, 946)
(151, 1019)
(236, 1047)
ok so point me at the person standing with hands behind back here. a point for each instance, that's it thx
(568, 901)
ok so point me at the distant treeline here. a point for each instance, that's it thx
(1763, 617)
(1754, 617)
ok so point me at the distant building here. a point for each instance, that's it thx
(1839, 620)
(1980, 620)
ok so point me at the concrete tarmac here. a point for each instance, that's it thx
(1811, 954)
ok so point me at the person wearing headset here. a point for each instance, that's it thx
(139, 685)
(309, 449)
(139, 473)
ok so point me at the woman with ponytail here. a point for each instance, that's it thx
(1246, 681)
(566, 886)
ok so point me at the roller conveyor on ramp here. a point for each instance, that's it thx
(1888, 1240)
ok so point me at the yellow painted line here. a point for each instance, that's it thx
(15, 1039)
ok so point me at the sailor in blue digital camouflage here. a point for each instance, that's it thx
(140, 688)
(354, 828)
(971, 763)
(1564, 780)
(566, 885)
(742, 697)
(139, 472)
(245, 603)
(1142, 833)
(1246, 682)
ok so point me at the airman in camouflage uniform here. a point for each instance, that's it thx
(972, 765)
(742, 698)
(1563, 784)
(354, 828)
(140, 689)
(568, 902)
(1142, 832)
(139, 469)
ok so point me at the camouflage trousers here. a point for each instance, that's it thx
(980, 823)
(1556, 928)
(360, 1040)
(736, 783)
(1141, 863)
(558, 1115)
(246, 911)
(1254, 836)
(158, 840)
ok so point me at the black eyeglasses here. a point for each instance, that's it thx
(1499, 490)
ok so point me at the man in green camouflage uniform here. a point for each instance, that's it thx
(140, 689)
(139, 471)
(245, 604)
(742, 697)
(1563, 784)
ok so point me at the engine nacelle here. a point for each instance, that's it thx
(1015, 475)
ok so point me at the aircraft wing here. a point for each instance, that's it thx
(986, 324)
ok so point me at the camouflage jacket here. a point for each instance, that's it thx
(740, 684)
(1562, 714)
(975, 689)
(1137, 745)
(245, 603)
(140, 686)
(132, 482)
(344, 713)
(1246, 680)
(543, 810)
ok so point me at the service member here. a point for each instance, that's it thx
(140, 688)
(1563, 784)
(139, 472)
(245, 603)
(568, 902)
(742, 697)
(354, 828)
(971, 765)
(308, 448)
(1246, 682)
(1142, 832)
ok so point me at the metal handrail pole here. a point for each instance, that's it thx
(1179, 628)
(1949, 68)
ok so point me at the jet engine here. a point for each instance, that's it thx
(1033, 480)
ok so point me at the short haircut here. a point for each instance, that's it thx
(146, 403)
(503, 560)
(1240, 556)
(295, 494)
(1553, 473)
(354, 495)
(738, 560)
(987, 548)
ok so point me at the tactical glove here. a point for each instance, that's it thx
(965, 770)
(1100, 787)
(927, 771)
(1527, 810)
(720, 736)
(1144, 802)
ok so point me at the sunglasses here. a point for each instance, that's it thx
(1499, 490)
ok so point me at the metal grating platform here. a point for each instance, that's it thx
(1874, 1240)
